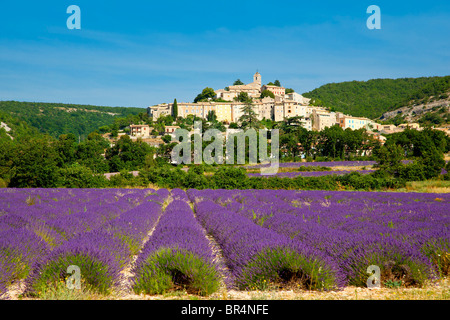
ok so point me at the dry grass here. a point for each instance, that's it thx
(429, 186)
(438, 290)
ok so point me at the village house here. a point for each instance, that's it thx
(140, 130)
(409, 125)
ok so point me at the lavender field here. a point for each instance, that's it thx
(321, 164)
(149, 241)
(294, 174)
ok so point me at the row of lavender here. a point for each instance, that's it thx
(319, 164)
(177, 254)
(294, 174)
(44, 229)
(330, 164)
(406, 235)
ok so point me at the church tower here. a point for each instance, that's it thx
(257, 78)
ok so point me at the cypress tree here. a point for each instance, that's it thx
(175, 109)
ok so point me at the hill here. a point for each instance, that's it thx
(11, 127)
(58, 118)
(434, 111)
(375, 97)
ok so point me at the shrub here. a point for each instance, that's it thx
(99, 256)
(96, 274)
(77, 176)
(170, 268)
(286, 268)
(412, 172)
(227, 177)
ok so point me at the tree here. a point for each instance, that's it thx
(7, 151)
(127, 154)
(289, 90)
(89, 153)
(290, 144)
(175, 109)
(431, 119)
(238, 82)
(307, 139)
(389, 159)
(167, 138)
(277, 83)
(115, 130)
(267, 93)
(249, 117)
(433, 162)
(35, 163)
(229, 177)
(211, 116)
(219, 126)
(207, 93)
(165, 151)
(66, 148)
(77, 176)
(243, 97)
(333, 142)
(150, 161)
(290, 124)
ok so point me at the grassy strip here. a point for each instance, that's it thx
(170, 269)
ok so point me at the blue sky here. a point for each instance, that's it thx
(141, 53)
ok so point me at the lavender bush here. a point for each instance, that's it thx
(20, 249)
(98, 254)
(176, 255)
(133, 226)
(257, 256)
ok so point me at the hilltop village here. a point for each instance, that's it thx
(277, 107)
(269, 101)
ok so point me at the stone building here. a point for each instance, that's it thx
(322, 119)
(277, 91)
(354, 123)
(140, 130)
(252, 89)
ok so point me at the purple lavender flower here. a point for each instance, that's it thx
(247, 247)
(177, 253)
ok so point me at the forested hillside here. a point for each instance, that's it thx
(16, 127)
(374, 97)
(57, 118)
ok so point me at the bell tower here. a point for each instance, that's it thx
(257, 78)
